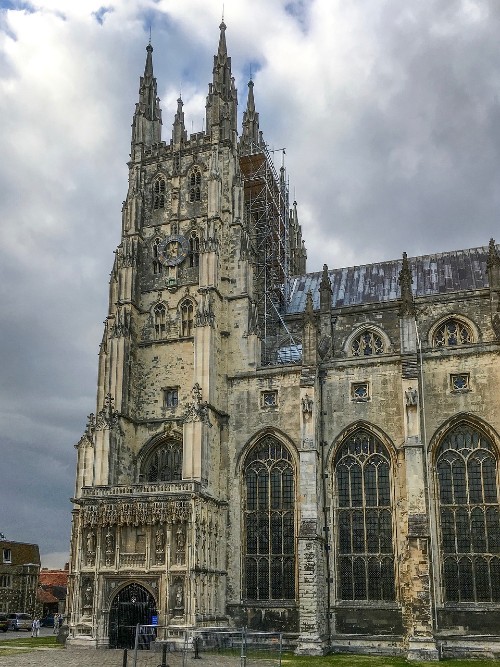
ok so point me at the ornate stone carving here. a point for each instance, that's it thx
(411, 397)
(205, 315)
(109, 547)
(197, 410)
(121, 326)
(107, 417)
(180, 545)
(138, 513)
(87, 593)
(127, 252)
(307, 405)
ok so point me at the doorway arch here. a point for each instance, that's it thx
(132, 604)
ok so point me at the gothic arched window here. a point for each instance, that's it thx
(365, 552)
(159, 188)
(160, 320)
(269, 522)
(469, 515)
(194, 250)
(366, 343)
(187, 318)
(195, 185)
(165, 463)
(452, 332)
(157, 266)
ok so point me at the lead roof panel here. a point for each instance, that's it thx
(458, 270)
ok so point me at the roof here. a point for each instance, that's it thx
(53, 577)
(45, 597)
(458, 270)
(22, 553)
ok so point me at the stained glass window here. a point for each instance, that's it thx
(469, 513)
(269, 522)
(367, 343)
(452, 332)
(365, 557)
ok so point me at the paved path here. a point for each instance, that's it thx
(114, 658)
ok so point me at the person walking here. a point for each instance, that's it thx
(56, 623)
(35, 627)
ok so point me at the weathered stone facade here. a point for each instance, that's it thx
(19, 571)
(348, 497)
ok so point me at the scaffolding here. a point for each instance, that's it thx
(267, 213)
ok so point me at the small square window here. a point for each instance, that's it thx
(360, 391)
(269, 399)
(171, 397)
(460, 382)
(7, 556)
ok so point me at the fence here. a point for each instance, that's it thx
(160, 646)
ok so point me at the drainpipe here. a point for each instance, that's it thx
(322, 379)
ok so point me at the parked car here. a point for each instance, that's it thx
(4, 622)
(47, 622)
(19, 621)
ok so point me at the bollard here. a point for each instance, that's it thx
(196, 645)
(163, 656)
(124, 663)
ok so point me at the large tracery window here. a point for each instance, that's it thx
(452, 332)
(365, 556)
(165, 463)
(469, 513)
(367, 343)
(269, 522)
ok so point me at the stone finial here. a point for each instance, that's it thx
(405, 280)
(325, 290)
(309, 310)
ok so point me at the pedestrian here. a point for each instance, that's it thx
(35, 627)
(56, 623)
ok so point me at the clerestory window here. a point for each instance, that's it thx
(365, 562)
(367, 343)
(269, 522)
(469, 515)
(452, 332)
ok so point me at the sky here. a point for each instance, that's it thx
(389, 115)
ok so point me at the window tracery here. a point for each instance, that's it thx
(366, 343)
(469, 515)
(187, 318)
(365, 563)
(160, 320)
(159, 188)
(269, 522)
(452, 332)
(165, 463)
(195, 185)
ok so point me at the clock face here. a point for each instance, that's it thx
(173, 250)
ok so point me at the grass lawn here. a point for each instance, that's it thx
(22, 645)
(349, 660)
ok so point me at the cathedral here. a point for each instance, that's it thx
(310, 453)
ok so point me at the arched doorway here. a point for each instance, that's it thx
(131, 605)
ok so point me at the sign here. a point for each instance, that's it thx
(154, 620)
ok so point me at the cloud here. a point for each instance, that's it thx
(388, 112)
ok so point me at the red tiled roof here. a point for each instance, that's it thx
(53, 577)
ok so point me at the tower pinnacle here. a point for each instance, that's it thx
(146, 124)
(222, 99)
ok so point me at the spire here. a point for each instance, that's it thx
(222, 100)
(407, 307)
(250, 135)
(179, 130)
(146, 124)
